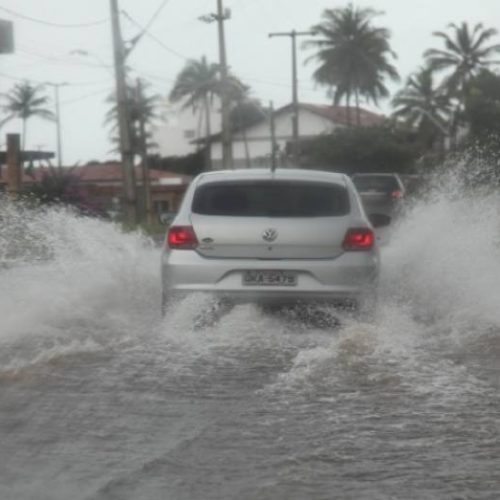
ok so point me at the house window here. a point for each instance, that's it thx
(189, 134)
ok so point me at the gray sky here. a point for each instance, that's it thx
(44, 52)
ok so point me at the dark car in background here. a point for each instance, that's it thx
(380, 193)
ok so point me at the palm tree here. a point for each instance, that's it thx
(424, 106)
(142, 107)
(195, 86)
(353, 55)
(23, 102)
(245, 110)
(465, 54)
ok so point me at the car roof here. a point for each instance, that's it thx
(266, 173)
(375, 174)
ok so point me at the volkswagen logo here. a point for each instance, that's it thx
(270, 234)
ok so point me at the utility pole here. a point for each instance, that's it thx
(148, 203)
(6, 37)
(273, 136)
(127, 154)
(227, 146)
(58, 120)
(295, 98)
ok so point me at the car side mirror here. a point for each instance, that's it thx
(379, 220)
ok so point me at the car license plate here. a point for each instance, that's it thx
(269, 278)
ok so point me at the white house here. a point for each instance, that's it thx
(182, 128)
(252, 145)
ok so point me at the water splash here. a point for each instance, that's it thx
(67, 279)
(444, 258)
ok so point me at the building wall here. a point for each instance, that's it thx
(181, 127)
(259, 140)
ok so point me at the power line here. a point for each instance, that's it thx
(138, 38)
(155, 15)
(153, 37)
(61, 61)
(84, 96)
(155, 77)
(186, 58)
(69, 84)
(52, 24)
(277, 84)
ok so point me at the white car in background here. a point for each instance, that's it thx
(274, 237)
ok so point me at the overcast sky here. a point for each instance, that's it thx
(45, 52)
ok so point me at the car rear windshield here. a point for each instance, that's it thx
(271, 199)
(378, 183)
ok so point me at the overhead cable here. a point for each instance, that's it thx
(153, 37)
(53, 24)
(155, 15)
(69, 84)
(85, 96)
(137, 38)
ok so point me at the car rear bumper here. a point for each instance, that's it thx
(343, 280)
(385, 206)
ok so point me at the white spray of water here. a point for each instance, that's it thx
(444, 258)
(440, 293)
(66, 279)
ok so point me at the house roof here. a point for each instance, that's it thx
(340, 114)
(112, 172)
(336, 114)
(103, 172)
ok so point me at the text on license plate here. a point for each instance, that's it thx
(269, 278)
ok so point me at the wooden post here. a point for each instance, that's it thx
(14, 165)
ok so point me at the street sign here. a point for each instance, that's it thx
(6, 37)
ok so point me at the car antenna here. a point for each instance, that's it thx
(273, 136)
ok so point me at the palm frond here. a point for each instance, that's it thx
(353, 56)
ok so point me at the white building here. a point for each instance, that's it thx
(183, 128)
(252, 146)
(184, 131)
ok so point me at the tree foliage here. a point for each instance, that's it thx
(142, 107)
(353, 55)
(25, 101)
(423, 106)
(196, 86)
(246, 113)
(59, 186)
(362, 149)
(191, 164)
(196, 82)
(465, 54)
(482, 109)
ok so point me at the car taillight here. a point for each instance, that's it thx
(182, 238)
(397, 195)
(361, 238)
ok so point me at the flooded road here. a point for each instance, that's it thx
(101, 399)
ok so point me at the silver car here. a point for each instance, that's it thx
(283, 237)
